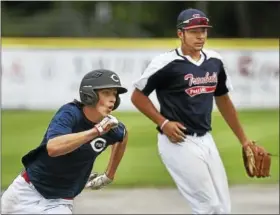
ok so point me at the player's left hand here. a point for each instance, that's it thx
(97, 182)
(256, 160)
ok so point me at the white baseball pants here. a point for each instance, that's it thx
(22, 198)
(197, 169)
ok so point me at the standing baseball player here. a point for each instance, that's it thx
(60, 167)
(186, 80)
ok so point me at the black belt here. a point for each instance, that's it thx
(197, 134)
(186, 132)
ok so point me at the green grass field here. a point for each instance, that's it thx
(141, 165)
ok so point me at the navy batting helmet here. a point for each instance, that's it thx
(99, 79)
(192, 18)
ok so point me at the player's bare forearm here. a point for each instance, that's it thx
(145, 105)
(65, 144)
(117, 153)
(229, 113)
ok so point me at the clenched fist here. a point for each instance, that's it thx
(106, 124)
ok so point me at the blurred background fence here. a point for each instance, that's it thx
(45, 73)
(48, 46)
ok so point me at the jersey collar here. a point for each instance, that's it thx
(187, 57)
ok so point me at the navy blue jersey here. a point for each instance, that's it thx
(185, 88)
(65, 176)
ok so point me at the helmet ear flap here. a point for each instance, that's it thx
(88, 96)
(95, 98)
(117, 103)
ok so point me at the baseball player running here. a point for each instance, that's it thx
(60, 167)
(186, 80)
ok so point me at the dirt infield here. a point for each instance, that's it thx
(245, 199)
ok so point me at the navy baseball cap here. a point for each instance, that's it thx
(192, 18)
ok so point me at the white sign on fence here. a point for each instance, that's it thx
(48, 78)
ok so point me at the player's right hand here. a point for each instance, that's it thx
(106, 124)
(174, 131)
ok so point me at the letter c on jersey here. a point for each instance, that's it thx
(98, 144)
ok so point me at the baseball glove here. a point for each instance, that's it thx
(257, 160)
